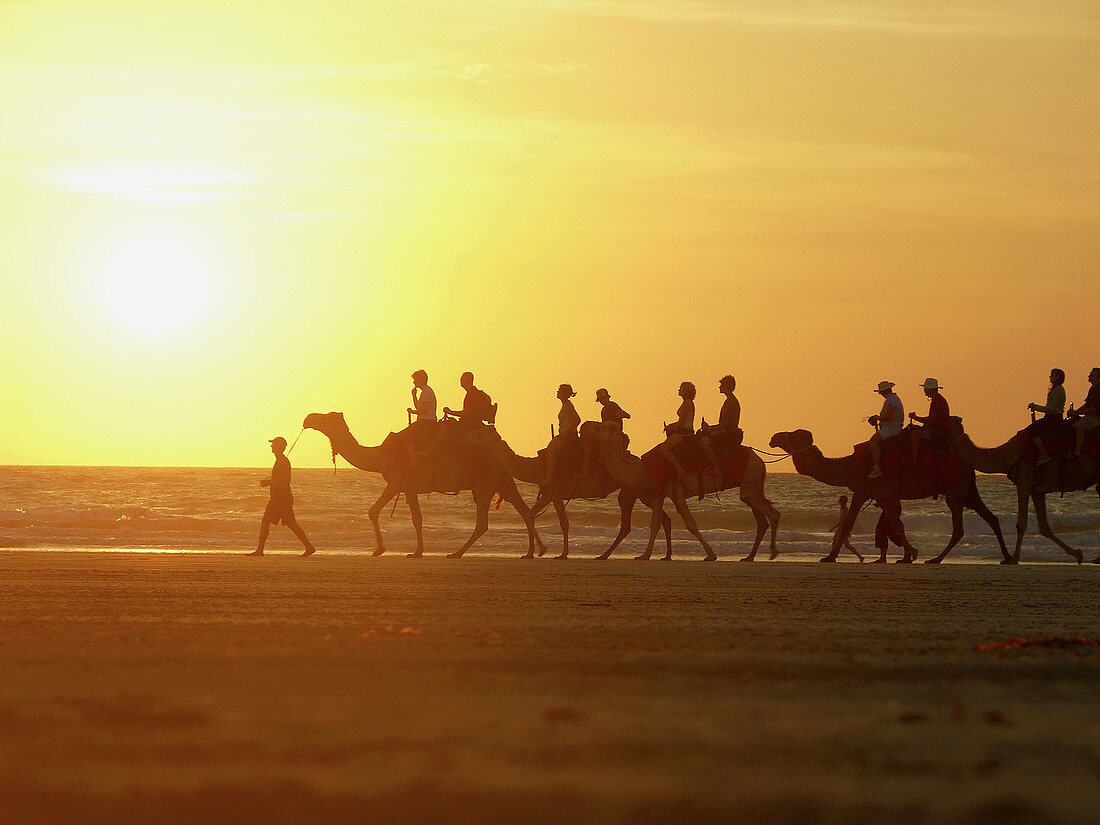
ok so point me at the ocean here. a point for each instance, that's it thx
(217, 510)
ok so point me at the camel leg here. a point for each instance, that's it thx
(975, 503)
(654, 521)
(956, 531)
(392, 489)
(1097, 559)
(418, 523)
(541, 502)
(761, 507)
(846, 526)
(626, 511)
(482, 500)
(1040, 502)
(761, 529)
(666, 525)
(563, 520)
(689, 522)
(1022, 493)
(511, 494)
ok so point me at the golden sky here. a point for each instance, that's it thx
(219, 217)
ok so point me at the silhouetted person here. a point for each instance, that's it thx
(889, 528)
(568, 422)
(887, 424)
(726, 435)
(476, 405)
(477, 408)
(1087, 416)
(610, 412)
(682, 428)
(280, 506)
(935, 425)
(1052, 414)
(843, 503)
(423, 398)
(423, 408)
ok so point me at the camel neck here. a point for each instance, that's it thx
(836, 472)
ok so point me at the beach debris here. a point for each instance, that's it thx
(390, 630)
(1018, 642)
(562, 714)
(996, 719)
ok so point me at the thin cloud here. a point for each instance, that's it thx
(1075, 22)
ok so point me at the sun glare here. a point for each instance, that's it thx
(157, 284)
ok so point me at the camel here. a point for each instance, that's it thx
(446, 474)
(904, 483)
(1058, 475)
(569, 484)
(631, 472)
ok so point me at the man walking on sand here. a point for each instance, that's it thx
(280, 507)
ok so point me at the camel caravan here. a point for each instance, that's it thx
(932, 457)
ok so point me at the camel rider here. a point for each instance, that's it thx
(423, 398)
(477, 407)
(727, 433)
(610, 413)
(568, 422)
(423, 408)
(1087, 416)
(682, 428)
(934, 429)
(1052, 414)
(887, 424)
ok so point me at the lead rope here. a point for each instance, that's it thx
(292, 446)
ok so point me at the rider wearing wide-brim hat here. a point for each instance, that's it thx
(934, 426)
(887, 423)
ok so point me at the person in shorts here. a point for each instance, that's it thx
(280, 506)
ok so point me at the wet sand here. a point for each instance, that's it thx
(218, 688)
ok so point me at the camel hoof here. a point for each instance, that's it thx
(1077, 556)
(602, 557)
(748, 558)
(1009, 561)
(932, 561)
(379, 551)
(711, 557)
(457, 554)
(775, 554)
(904, 561)
(642, 557)
(561, 556)
(879, 561)
(828, 560)
(419, 554)
(528, 555)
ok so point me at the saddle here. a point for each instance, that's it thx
(1060, 440)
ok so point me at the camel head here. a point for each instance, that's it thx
(792, 442)
(331, 424)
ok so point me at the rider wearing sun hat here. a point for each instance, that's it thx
(887, 423)
(935, 424)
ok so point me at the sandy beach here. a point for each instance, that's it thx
(173, 688)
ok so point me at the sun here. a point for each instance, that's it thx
(156, 283)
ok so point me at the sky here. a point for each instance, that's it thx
(219, 217)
